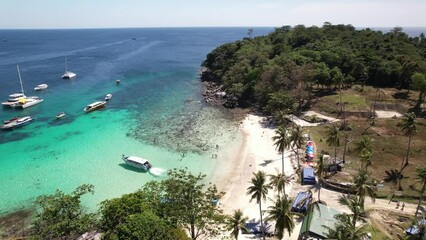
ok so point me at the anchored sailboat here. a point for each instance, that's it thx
(68, 74)
(19, 100)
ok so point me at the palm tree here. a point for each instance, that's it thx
(394, 177)
(281, 142)
(421, 177)
(364, 148)
(364, 187)
(353, 203)
(258, 190)
(409, 128)
(281, 213)
(279, 181)
(366, 160)
(363, 145)
(345, 229)
(321, 171)
(236, 222)
(333, 139)
(346, 140)
(298, 139)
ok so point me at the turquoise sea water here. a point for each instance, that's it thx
(156, 112)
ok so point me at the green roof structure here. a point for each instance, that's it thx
(314, 221)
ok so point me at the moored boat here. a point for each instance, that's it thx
(60, 115)
(41, 87)
(11, 120)
(17, 123)
(12, 100)
(68, 74)
(19, 100)
(23, 121)
(108, 97)
(137, 162)
(94, 106)
(28, 102)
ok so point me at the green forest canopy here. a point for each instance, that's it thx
(280, 70)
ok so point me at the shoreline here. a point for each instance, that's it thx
(253, 151)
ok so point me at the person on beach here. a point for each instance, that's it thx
(402, 207)
(397, 204)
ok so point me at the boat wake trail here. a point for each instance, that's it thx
(157, 171)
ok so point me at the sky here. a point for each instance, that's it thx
(54, 14)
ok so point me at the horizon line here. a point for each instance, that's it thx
(97, 28)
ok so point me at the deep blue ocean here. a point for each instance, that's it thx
(156, 111)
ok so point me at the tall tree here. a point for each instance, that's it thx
(278, 181)
(258, 191)
(345, 229)
(190, 203)
(363, 187)
(281, 213)
(147, 226)
(364, 149)
(297, 139)
(333, 138)
(61, 215)
(321, 169)
(421, 177)
(281, 142)
(236, 222)
(409, 128)
(353, 203)
(419, 83)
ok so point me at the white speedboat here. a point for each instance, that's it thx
(23, 121)
(17, 123)
(94, 106)
(60, 115)
(68, 74)
(41, 87)
(108, 97)
(137, 162)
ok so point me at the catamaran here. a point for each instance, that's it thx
(19, 100)
(68, 74)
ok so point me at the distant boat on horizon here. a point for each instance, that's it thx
(68, 74)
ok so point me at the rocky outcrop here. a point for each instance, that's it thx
(213, 91)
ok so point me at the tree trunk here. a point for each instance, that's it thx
(319, 191)
(297, 154)
(344, 149)
(193, 231)
(261, 220)
(420, 100)
(420, 199)
(400, 174)
(408, 149)
(282, 163)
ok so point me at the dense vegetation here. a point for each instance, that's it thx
(281, 71)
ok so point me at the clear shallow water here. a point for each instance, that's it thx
(156, 112)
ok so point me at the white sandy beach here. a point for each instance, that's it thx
(244, 159)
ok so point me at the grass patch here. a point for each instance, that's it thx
(389, 148)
